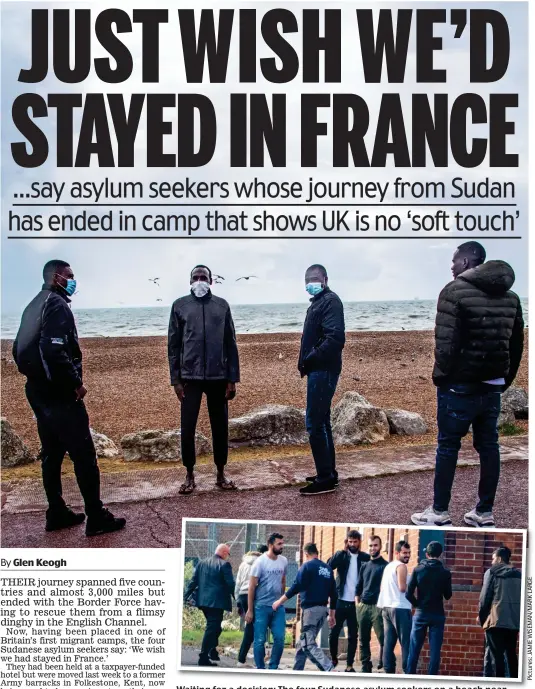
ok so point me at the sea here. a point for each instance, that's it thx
(415, 314)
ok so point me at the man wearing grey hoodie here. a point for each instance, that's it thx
(479, 339)
(241, 595)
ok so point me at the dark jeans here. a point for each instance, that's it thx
(63, 426)
(345, 612)
(214, 617)
(458, 407)
(248, 632)
(369, 616)
(423, 622)
(502, 644)
(397, 623)
(321, 386)
(488, 663)
(215, 391)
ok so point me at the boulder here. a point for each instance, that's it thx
(404, 422)
(515, 401)
(159, 446)
(506, 418)
(355, 421)
(14, 451)
(273, 424)
(104, 446)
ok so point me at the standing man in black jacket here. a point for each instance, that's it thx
(320, 359)
(47, 352)
(203, 358)
(479, 338)
(368, 614)
(348, 565)
(429, 585)
(212, 586)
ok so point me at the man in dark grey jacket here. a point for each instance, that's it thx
(212, 585)
(203, 358)
(479, 337)
(499, 611)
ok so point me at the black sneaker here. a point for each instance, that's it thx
(214, 655)
(205, 662)
(380, 665)
(311, 479)
(63, 520)
(367, 668)
(318, 488)
(104, 522)
(350, 669)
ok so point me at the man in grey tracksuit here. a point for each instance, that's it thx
(203, 359)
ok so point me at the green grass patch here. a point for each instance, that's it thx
(511, 429)
(193, 637)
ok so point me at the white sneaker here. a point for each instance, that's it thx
(244, 666)
(482, 520)
(431, 518)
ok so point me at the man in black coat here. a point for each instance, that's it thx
(479, 339)
(47, 352)
(320, 359)
(203, 358)
(347, 563)
(212, 585)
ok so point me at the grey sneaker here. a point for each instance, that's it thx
(431, 518)
(482, 520)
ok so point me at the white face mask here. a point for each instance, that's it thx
(200, 288)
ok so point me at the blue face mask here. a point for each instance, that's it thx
(70, 287)
(314, 288)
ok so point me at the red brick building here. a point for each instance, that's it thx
(467, 554)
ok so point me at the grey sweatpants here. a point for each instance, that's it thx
(307, 647)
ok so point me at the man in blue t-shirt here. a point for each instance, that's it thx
(316, 585)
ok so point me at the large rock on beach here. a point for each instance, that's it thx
(105, 447)
(356, 421)
(273, 424)
(404, 422)
(14, 451)
(515, 401)
(159, 446)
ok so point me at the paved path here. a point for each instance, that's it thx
(378, 500)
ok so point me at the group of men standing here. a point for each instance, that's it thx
(368, 593)
(478, 346)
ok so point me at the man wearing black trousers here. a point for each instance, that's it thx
(203, 359)
(212, 585)
(47, 352)
(348, 564)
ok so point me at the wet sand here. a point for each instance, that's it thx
(128, 381)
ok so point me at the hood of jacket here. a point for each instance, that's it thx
(492, 277)
(250, 559)
(431, 563)
(504, 571)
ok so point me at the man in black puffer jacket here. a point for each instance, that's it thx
(479, 338)
(320, 359)
(203, 358)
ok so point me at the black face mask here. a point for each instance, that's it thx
(353, 549)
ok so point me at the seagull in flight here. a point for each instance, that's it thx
(155, 280)
(247, 277)
(158, 300)
(218, 277)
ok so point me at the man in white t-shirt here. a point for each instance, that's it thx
(397, 610)
(347, 563)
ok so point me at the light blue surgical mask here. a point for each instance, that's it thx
(314, 288)
(70, 287)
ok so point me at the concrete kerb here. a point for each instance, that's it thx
(27, 495)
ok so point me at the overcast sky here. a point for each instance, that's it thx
(117, 272)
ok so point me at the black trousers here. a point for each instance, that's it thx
(248, 632)
(345, 612)
(214, 617)
(215, 391)
(63, 426)
(502, 644)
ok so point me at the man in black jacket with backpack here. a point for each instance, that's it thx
(479, 338)
(47, 352)
(320, 359)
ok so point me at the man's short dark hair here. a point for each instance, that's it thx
(400, 545)
(318, 266)
(273, 537)
(473, 251)
(311, 549)
(201, 266)
(263, 549)
(354, 534)
(377, 538)
(434, 549)
(504, 553)
(52, 267)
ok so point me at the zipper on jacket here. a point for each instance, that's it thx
(204, 337)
